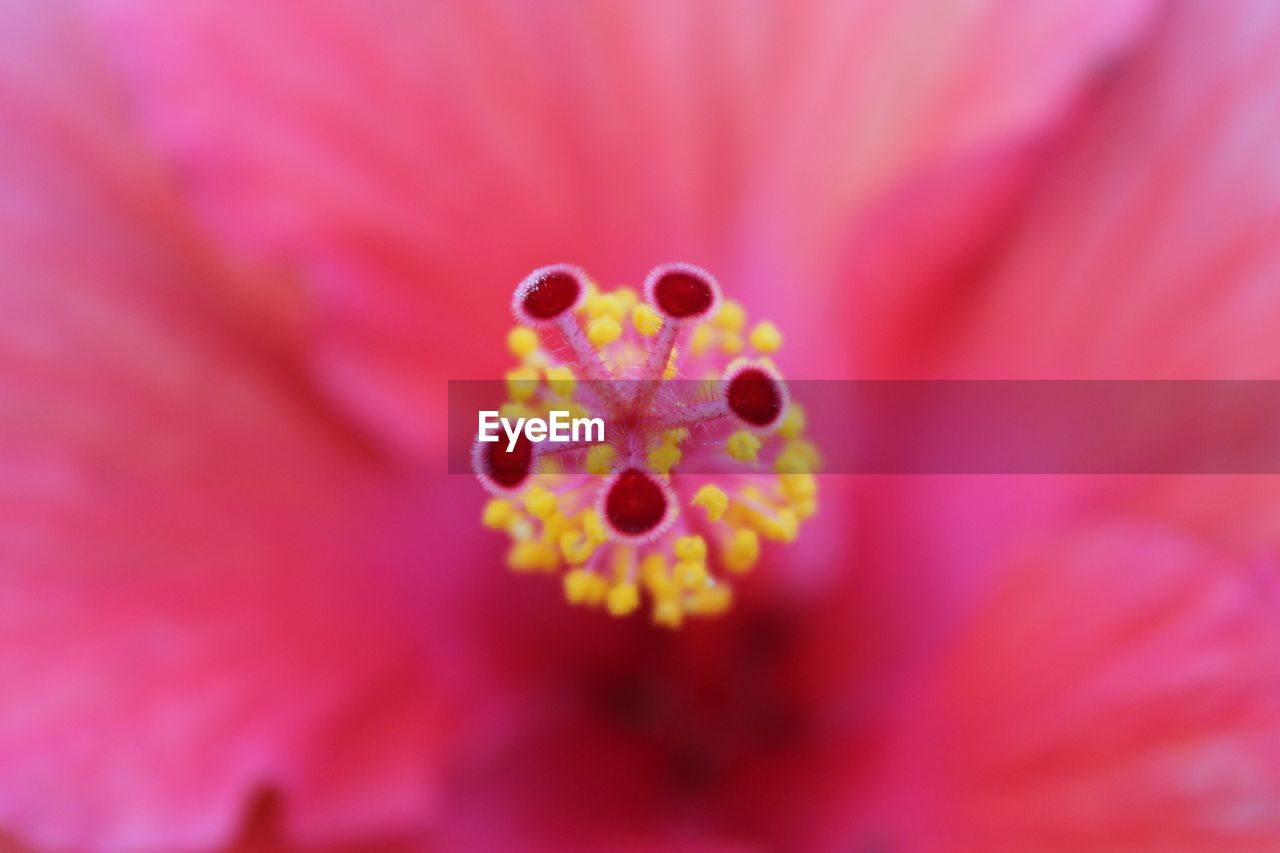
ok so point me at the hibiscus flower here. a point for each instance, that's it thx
(245, 244)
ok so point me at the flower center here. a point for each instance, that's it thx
(688, 484)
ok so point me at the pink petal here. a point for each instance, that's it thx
(1152, 252)
(1117, 692)
(413, 161)
(196, 559)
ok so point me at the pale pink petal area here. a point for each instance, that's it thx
(195, 559)
(1119, 690)
(413, 161)
(1153, 250)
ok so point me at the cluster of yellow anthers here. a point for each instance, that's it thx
(680, 494)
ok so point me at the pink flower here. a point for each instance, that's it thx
(242, 249)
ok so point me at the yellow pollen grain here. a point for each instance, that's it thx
(561, 381)
(531, 556)
(603, 331)
(593, 526)
(522, 383)
(732, 316)
(540, 502)
(576, 547)
(583, 586)
(623, 599)
(623, 564)
(742, 550)
(711, 600)
(663, 458)
(646, 321)
(731, 343)
(713, 499)
(522, 342)
(498, 513)
(690, 575)
(798, 486)
(782, 527)
(515, 411)
(743, 446)
(765, 337)
(670, 372)
(700, 342)
(793, 422)
(600, 459)
(668, 613)
(676, 436)
(691, 548)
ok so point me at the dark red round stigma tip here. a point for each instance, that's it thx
(682, 292)
(506, 470)
(635, 504)
(756, 397)
(548, 293)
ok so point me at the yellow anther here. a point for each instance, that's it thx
(713, 499)
(583, 586)
(600, 459)
(614, 305)
(793, 422)
(623, 599)
(668, 613)
(691, 548)
(603, 331)
(782, 527)
(690, 575)
(675, 436)
(670, 372)
(805, 508)
(540, 502)
(515, 411)
(647, 321)
(743, 446)
(547, 465)
(798, 487)
(791, 462)
(765, 337)
(711, 600)
(498, 513)
(553, 526)
(576, 547)
(562, 382)
(522, 342)
(663, 458)
(808, 451)
(595, 305)
(732, 317)
(731, 343)
(593, 526)
(520, 528)
(742, 550)
(522, 383)
(575, 410)
(701, 339)
(531, 556)
(624, 560)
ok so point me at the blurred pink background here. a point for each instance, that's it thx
(243, 245)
